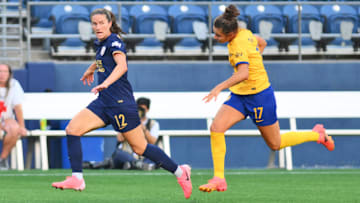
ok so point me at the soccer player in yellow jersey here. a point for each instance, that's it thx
(251, 95)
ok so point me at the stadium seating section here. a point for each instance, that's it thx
(272, 21)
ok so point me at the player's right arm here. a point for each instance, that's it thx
(88, 76)
(240, 75)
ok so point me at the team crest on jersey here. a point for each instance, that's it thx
(237, 54)
(116, 44)
(102, 52)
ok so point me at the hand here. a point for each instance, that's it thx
(99, 88)
(22, 131)
(88, 77)
(213, 94)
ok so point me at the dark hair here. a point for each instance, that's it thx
(115, 28)
(228, 20)
(7, 85)
(143, 101)
(141, 112)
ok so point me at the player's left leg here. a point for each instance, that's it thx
(272, 137)
(138, 143)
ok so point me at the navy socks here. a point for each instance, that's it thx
(75, 152)
(158, 156)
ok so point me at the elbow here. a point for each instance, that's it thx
(264, 44)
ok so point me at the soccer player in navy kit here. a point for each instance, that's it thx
(115, 105)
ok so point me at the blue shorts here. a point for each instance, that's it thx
(261, 107)
(122, 118)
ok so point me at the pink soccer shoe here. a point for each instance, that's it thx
(218, 184)
(71, 182)
(324, 139)
(185, 181)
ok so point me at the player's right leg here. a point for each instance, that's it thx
(82, 123)
(138, 143)
(226, 117)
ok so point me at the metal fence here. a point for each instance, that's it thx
(11, 42)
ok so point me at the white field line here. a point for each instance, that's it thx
(194, 173)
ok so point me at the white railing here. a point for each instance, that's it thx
(187, 105)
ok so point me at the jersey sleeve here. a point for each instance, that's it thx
(117, 46)
(238, 55)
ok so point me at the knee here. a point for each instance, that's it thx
(138, 150)
(12, 129)
(215, 127)
(71, 130)
(274, 146)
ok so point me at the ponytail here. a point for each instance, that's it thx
(227, 22)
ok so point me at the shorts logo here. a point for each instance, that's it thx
(116, 44)
(102, 52)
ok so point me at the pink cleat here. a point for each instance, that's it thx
(185, 181)
(324, 139)
(71, 182)
(218, 184)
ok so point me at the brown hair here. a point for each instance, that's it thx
(7, 84)
(115, 28)
(228, 20)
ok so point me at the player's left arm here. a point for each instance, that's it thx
(261, 43)
(119, 70)
(20, 119)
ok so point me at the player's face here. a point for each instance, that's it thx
(101, 26)
(4, 74)
(219, 35)
(144, 107)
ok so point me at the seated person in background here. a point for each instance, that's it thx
(123, 157)
(11, 98)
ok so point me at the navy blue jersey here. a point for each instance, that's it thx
(120, 92)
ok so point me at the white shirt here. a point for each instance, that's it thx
(154, 130)
(14, 97)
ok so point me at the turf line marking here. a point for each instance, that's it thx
(194, 173)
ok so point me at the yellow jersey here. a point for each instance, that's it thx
(244, 49)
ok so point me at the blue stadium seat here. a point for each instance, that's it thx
(182, 17)
(41, 16)
(308, 13)
(335, 15)
(265, 13)
(125, 19)
(67, 18)
(144, 17)
(15, 8)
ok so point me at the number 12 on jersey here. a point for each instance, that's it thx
(120, 120)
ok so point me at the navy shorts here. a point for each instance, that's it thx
(122, 118)
(261, 107)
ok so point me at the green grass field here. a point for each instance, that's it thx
(339, 185)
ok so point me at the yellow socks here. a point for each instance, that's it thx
(295, 138)
(218, 150)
